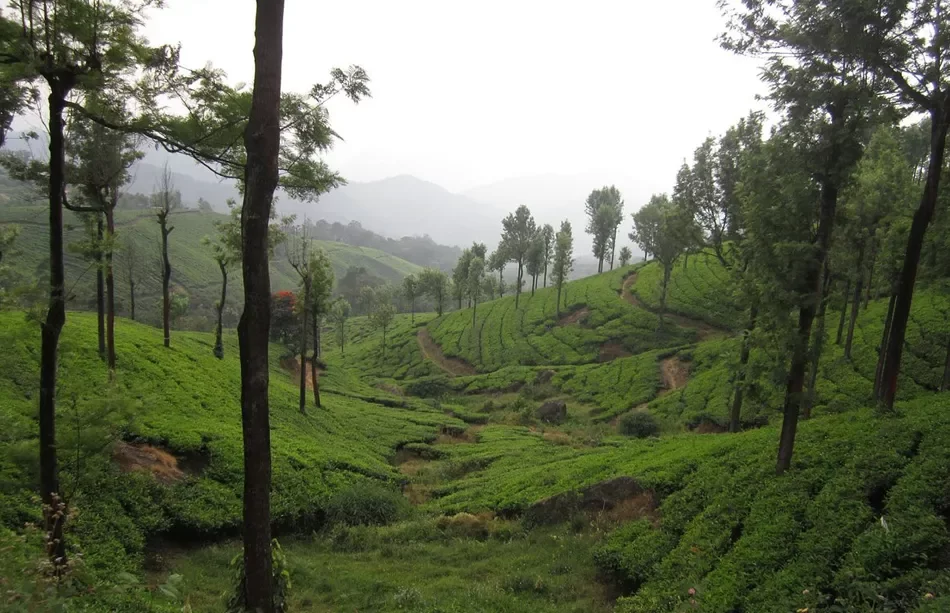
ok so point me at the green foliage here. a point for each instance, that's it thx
(281, 580)
(365, 504)
(638, 425)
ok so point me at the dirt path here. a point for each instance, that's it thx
(292, 366)
(431, 350)
(576, 317)
(704, 331)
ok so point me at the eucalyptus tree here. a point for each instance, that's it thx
(460, 276)
(435, 284)
(534, 260)
(625, 256)
(339, 313)
(476, 277)
(410, 289)
(225, 249)
(320, 268)
(563, 262)
(72, 47)
(496, 262)
(165, 201)
(828, 102)
(547, 238)
(662, 228)
(518, 233)
(604, 210)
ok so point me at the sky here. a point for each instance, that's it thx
(469, 93)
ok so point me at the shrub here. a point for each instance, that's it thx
(366, 505)
(429, 387)
(538, 391)
(639, 425)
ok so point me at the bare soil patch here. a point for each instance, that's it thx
(704, 331)
(577, 316)
(675, 374)
(161, 464)
(456, 367)
(619, 499)
(292, 366)
(612, 350)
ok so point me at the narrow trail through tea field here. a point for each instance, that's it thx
(704, 331)
(431, 350)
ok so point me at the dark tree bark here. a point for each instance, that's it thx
(870, 285)
(110, 281)
(303, 348)
(557, 304)
(262, 142)
(166, 281)
(218, 330)
(883, 347)
(613, 248)
(806, 317)
(736, 412)
(945, 380)
(817, 347)
(855, 304)
(667, 269)
(55, 318)
(518, 288)
(545, 273)
(844, 311)
(940, 122)
(132, 299)
(100, 289)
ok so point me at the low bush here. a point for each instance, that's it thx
(366, 504)
(638, 425)
(429, 387)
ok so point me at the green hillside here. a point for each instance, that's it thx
(193, 268)
(501, 510)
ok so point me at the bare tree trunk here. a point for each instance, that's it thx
(667, 268)
(806, 316)
(262, 142)
(53, 326)
(613, 249)
(817, 347)
(545, 274)
(166, 282)
(303, 349)
(870, 285)
(855, 304)
(844, 311)
(110, 283)
(100, 289)
(883, 347)
(736, 412)
(557, 305)
(132, 299)
(518, 288)
(218, 331)
(940, 122)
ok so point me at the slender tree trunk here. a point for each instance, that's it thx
(518, 288)
(100, 289)
(545, 274)
(303, 349)
(806, 316)
(262, 142)
(110, 282)
(870, 285)
(474, 308)
(501, 282)
(945, 380)
(412, 311)
(736, 412)
(818, 343)
(666, 280)
(613, 249)
(557, 305)
(53, 326)
(915, 240)
(844, 311)
(314, 378)
(855, 304)
(644, 256)
(879, 369)
(166, 282)
(131, 299)
(218, 331)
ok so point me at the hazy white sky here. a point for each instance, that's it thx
(467, 93)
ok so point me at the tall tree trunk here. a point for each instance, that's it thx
(855, 304)
(870, 285)
(817, 346)
(518, 288)
(131, 299)
(412, 311)
(262, 142)
(314, 379)
(945, 380)
(915, 241)
(501, 283)
(110, 281)
(613, 249)
(166, 282)
(303, 349)
(879, 369)
(474, 308)
(736, 412)
(844, 311)
(218, 331)
(557, 305)
(806, 316)
(666, 281)
(545, 274)
(53, 326)
(100, 289)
